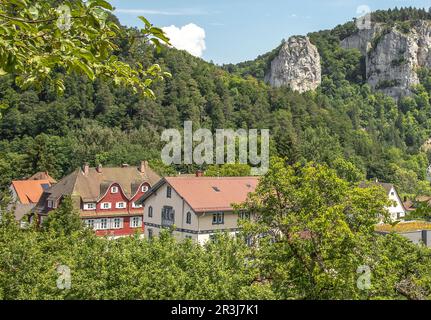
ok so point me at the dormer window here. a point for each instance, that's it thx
(144, 188)
(89, 206)
(50, 204)
(105, 205)
(120, 205)
(114, 189)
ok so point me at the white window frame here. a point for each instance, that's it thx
(114, 189)
(219, 218)
(145, 188)
(136, 206)
(101, 224)
(91, 225)
(102, 206)
(90, 206)
(136, 222)
(50, 204)
(114, 224)
(117, 205)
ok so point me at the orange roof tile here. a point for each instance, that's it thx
(206, 194)
(29, 191)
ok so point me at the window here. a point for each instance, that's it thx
(135, 205)
(168, 192)
(114, 189)
(117, 223)
(150, 233)
(89, 223)
(105, 205)
(89, 206)
(144, 188)
(189, 237)
(244, 216)
(135, 222)
(50, 204)
(218, 218)
(103, 225)
(150, 211)
(168, 216)
(189, 218)
(120, 205)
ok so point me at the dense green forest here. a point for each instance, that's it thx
(343, 123)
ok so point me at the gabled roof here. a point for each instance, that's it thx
(43, 176)
(208, 194)
(30, 191)
(91, 186)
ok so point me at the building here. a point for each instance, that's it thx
(197, 206)
(25, 194)
(43, 176)
(104, 197)
(396, 210)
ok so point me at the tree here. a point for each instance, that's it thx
(40, 37)
(312, 232)
(64, 220)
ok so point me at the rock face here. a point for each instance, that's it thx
(297, 66)
(393, 56)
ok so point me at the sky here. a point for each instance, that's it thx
(232, 31)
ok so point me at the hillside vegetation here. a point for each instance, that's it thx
(344, 124)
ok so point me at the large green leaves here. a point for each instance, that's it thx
(75, 36)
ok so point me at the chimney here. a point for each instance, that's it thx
(99, 168)
(86, 168)
(199, 173)
(143, 165)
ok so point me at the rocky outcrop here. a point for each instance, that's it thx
(393, 56)
(297, 66)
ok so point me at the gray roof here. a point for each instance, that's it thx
(93, 185)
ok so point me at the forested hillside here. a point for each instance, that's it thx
(344, 124)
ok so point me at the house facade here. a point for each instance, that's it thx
(25, 194)
(396, 210)
(104, 197)
(198, 207)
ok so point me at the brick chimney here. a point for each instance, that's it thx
(99, 168)
(86, 168)
(143, 165)
(199, 173)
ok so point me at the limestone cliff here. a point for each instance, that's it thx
(297, 66)
(393, 55)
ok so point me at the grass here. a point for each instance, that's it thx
(404, 226)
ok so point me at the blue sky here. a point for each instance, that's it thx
(231, 31)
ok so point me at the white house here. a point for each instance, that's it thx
(396, 210)
(198, 207)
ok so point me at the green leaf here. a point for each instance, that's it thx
(100, 3)
(145, 21)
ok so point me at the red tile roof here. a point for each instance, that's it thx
(29, 191)
(206, 194)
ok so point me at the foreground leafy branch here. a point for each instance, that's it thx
(38, 38)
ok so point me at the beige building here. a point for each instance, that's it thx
(198, 207)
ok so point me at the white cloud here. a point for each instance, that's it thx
(179, 12)
(189, 37)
